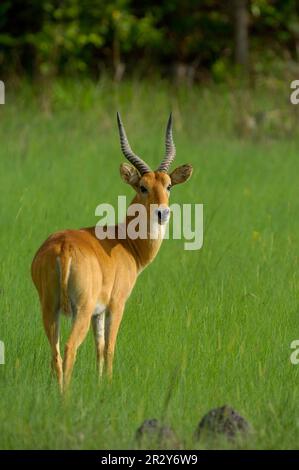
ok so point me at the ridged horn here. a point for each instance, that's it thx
(138, 163)
(170, 148)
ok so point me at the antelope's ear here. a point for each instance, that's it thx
(129, 174)
(181, 174)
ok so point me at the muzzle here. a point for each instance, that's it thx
(162, 214)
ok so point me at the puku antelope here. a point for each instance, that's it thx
(90, 279)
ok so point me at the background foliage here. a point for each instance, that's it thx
(195, 38)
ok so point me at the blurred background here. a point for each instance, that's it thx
(248, 48)
(241, 46)
(191, 41)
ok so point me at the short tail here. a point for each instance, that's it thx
(64, 266)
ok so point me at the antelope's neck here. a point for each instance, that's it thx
(145, 250)
(145, 247)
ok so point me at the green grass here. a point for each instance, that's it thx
(211, 327)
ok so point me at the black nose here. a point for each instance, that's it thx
(162, 213)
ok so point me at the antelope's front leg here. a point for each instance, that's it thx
(112, 323)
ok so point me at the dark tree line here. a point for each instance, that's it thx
(190, 38)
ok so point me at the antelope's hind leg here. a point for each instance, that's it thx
(51, 325)
(98, 325)
(79, 331)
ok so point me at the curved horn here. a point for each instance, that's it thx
(170, 148)
(141, 166)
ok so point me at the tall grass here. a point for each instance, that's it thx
(201, 328)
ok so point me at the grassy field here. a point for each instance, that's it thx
(207, 327)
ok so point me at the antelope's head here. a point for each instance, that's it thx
(152, 187)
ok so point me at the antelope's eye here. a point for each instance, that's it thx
(143, 189)
(169, 187)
